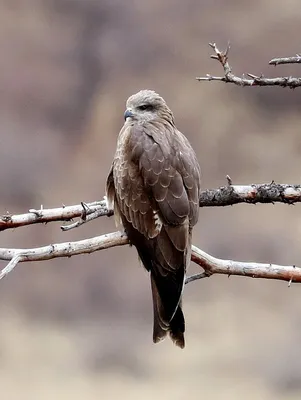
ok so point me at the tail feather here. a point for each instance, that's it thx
(167, 266)
(177, 328)
(162, 325)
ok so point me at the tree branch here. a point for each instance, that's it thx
(229, 77)
(64, 213)
(210, 264)
(286, 60)
(254, 193)
(221, 197)
(66, 249)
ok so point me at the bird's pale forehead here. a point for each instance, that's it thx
(144, 96)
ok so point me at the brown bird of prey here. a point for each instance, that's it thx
(153, 187)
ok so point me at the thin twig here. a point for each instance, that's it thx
(88, 218)
(11, 265)
(229, 77)
(229, 180)
(196, 277)
(286, 60)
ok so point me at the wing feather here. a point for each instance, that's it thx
(156, 170)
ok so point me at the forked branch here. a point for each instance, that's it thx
(252, 80)
(210, 264)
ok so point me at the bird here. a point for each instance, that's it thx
(153, 188)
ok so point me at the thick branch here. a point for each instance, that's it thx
(223, 196)
(229, 77)
(255, 193)
(210, 264)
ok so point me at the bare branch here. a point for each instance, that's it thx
(286, 60)
(255, 193)
(196, 277)
(63, 213)
(210, 264)
(66, 249)
(255, 80)
(221, 197)
(94, 214)
(229, 180)
(11, 265)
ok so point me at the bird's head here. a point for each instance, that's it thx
(147, 105)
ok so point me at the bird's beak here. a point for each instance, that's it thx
(128, 113)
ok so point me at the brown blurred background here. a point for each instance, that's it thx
(82, 327)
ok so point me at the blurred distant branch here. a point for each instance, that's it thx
(210, 264)
(229, 77)
(221, 197)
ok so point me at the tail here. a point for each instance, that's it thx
(163, 324)
(166, 257)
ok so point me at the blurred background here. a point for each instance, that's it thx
(82, 327)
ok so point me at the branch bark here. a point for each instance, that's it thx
(66, 249)
(210, 264)
(221, 197)
(64, 213)
(213, 265)
(286, 60)
(229, 77)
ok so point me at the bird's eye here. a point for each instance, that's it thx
(145, 107)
